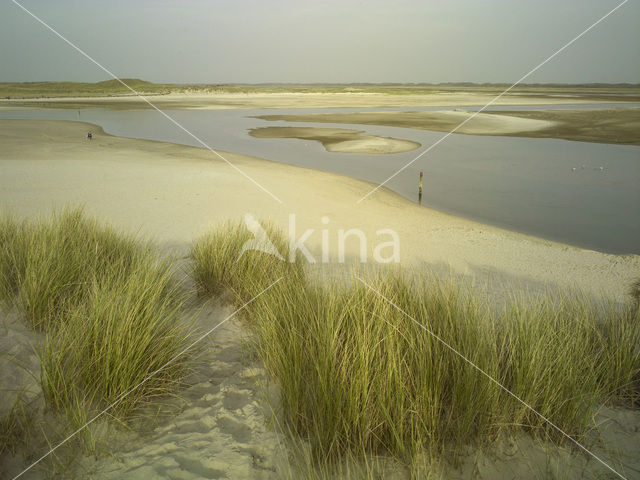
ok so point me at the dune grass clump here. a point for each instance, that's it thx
(50, 265)
(358, 375)
(108, 304)
(220, 265)
(128, 328)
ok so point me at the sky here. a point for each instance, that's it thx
(333, 41)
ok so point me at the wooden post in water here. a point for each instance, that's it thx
(420, 190)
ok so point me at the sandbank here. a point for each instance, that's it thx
(609, 125)
(339, 140)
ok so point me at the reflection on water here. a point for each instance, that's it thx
(584, 194)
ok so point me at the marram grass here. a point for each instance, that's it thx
(359, 376)
(50, 264)
(126, 329)
(221, 266)
(109, 307)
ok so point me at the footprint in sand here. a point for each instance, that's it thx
(240, 432)
(235, 400)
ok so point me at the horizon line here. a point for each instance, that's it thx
(355, 83)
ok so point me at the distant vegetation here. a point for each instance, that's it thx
(115, 88)
(79, 89)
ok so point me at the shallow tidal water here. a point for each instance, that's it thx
(523, 184)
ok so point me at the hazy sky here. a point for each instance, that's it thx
(252, 41)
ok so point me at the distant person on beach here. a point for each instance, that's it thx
(89, 136)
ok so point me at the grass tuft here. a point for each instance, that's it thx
(220, 265)
(110, 308)
(126, 329)
(50, 265)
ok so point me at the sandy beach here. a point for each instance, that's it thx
(172, 193)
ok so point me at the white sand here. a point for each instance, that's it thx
(174, 193)
(372, 145)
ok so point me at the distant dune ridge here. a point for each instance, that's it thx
(112, 94)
